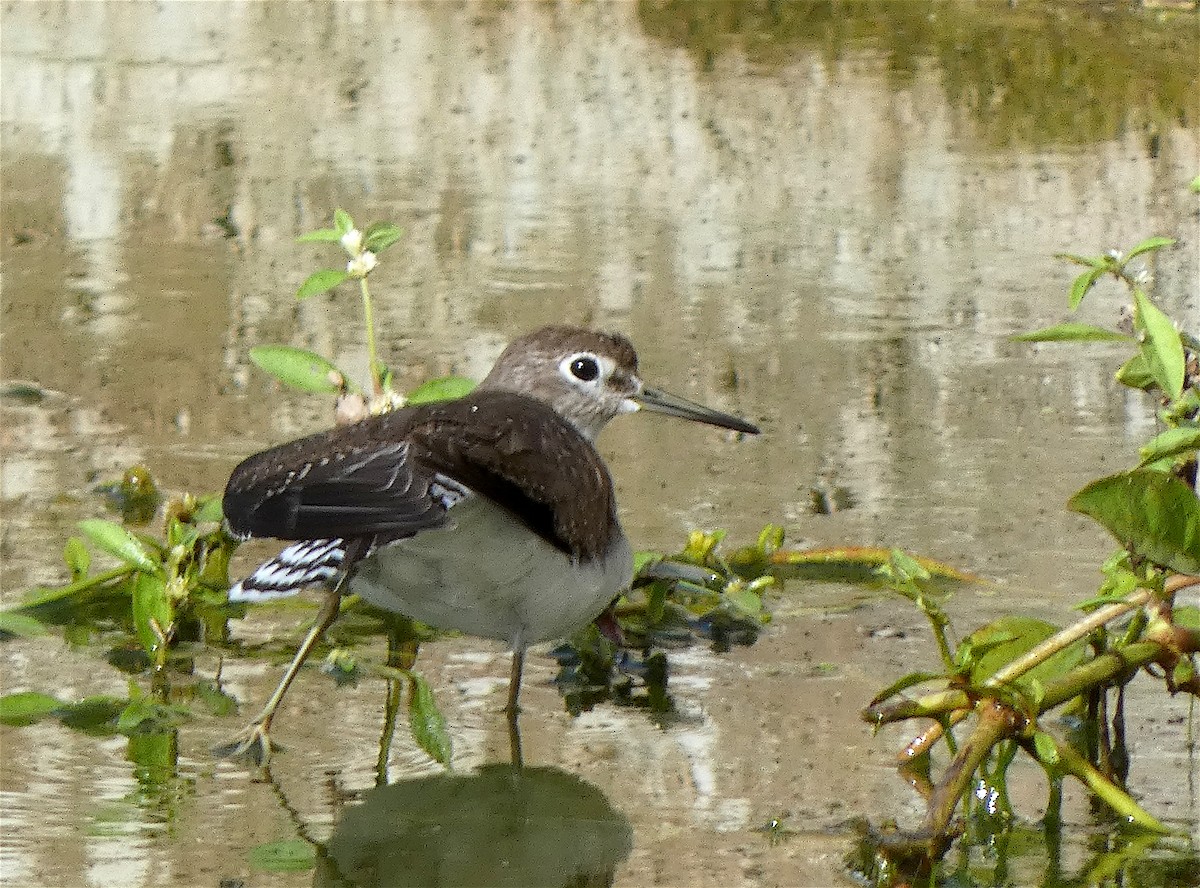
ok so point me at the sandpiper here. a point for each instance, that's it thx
(492, 515)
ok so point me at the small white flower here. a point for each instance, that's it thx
(352, 241)
(360, 266)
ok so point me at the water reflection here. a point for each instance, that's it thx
(500, 826)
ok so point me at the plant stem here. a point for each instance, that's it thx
(369, 320)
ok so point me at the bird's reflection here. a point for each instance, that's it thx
(501, 826)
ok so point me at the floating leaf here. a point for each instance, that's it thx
(21, 625)
(293, 855)
(1072, 332)
(321, 235)
(27, 708)
(1161, 348)
(1153, 514)
(426, 722)
(320, 281)
(1150, 243)
(299, 368)
(1171, 443)
(381, 235)
(93, 715)
(445, 388)
(116, 540)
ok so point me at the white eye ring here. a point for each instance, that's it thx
(585, 369)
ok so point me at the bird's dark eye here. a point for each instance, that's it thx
(586, 369)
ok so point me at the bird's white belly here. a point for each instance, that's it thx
(487, 574)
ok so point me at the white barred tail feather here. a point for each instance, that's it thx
(303, 564)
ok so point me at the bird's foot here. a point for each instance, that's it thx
(252, 743)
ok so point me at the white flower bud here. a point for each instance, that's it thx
(360, 266)
(352, 241)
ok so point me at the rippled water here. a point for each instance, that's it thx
(827, 218)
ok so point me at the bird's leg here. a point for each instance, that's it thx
(513, 709)
(254, 740)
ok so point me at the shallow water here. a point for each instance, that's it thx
(828, 221)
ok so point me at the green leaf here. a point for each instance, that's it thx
(1072, 332)
(293, 855)
(381, 235)
(78, 558)
(745, 600)
(93, 715)
(903, 684)
(1081, 285)
(21, 625)
(1004, 640)
(1173, 442)
(1150, 243)
(1161, 348)
(1153, 514)
(445, 388)
(342, 221)
(1135, 373)
(320, 281)
(426, 722)
(321, 235)
(1046, 749)
(1095, 262)
(152, 612)
(208, 509)
(298, 368)
(1194, 185)
(27, 708)
(116, 540)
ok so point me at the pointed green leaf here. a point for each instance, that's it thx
(445, 388)
(1153, 514)
(426, 722)
(293, 855)
(381, 235)
(1046, 749)
(152, 612)
(298, 368)
(342, 221)
(1072, 332)
(1081, 285)
(1150, 243)
(1173, 442)
(1135, 373)
(78, 558)
(1004, 640)
(321, 235)
(1161, 348)
(20, 625)
(320, 281)
(116, 540)
(1094, 262)
(903, 684)
(26, 708)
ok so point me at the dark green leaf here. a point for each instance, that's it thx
(147, 715)
(1135, 373)
(298, 368)
(380, 236)
(1072, 332)
(342, 221)
(1173, 442)
(78, 558)
(20, 625)
(321, 235)
(320, 281)
(93, 715)
(26, 708)
(1081, 285)
(1153, 514)
(445, 388)
(152, 612)
(116, 540)
(1150, 243)
(293, 855)
(1161, 348)
(426, 722)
